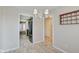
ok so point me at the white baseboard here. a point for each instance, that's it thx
(7, 50)
(61, 50)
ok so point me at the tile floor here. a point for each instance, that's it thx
(27, 47)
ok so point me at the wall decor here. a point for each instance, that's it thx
(69, 18)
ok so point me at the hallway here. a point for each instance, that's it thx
(28, 47)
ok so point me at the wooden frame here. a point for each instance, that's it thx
(69, 18)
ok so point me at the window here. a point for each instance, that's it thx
(70, 18)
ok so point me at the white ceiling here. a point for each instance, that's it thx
(38, 7)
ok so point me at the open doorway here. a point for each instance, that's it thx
(26, 29)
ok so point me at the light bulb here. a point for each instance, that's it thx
(35, 11)
(46, 12)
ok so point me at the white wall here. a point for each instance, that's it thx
(1, 21)
(66, 36)
(10, 38)
(38, 29)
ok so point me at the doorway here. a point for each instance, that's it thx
(26, 29)
(48, 31)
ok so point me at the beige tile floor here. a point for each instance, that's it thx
(27, 47)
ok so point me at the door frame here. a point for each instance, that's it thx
(19, 25)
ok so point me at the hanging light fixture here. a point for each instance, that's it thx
(46, 12)
(35, 11)
(40, 14)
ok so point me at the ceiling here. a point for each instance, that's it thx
(38, 7)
